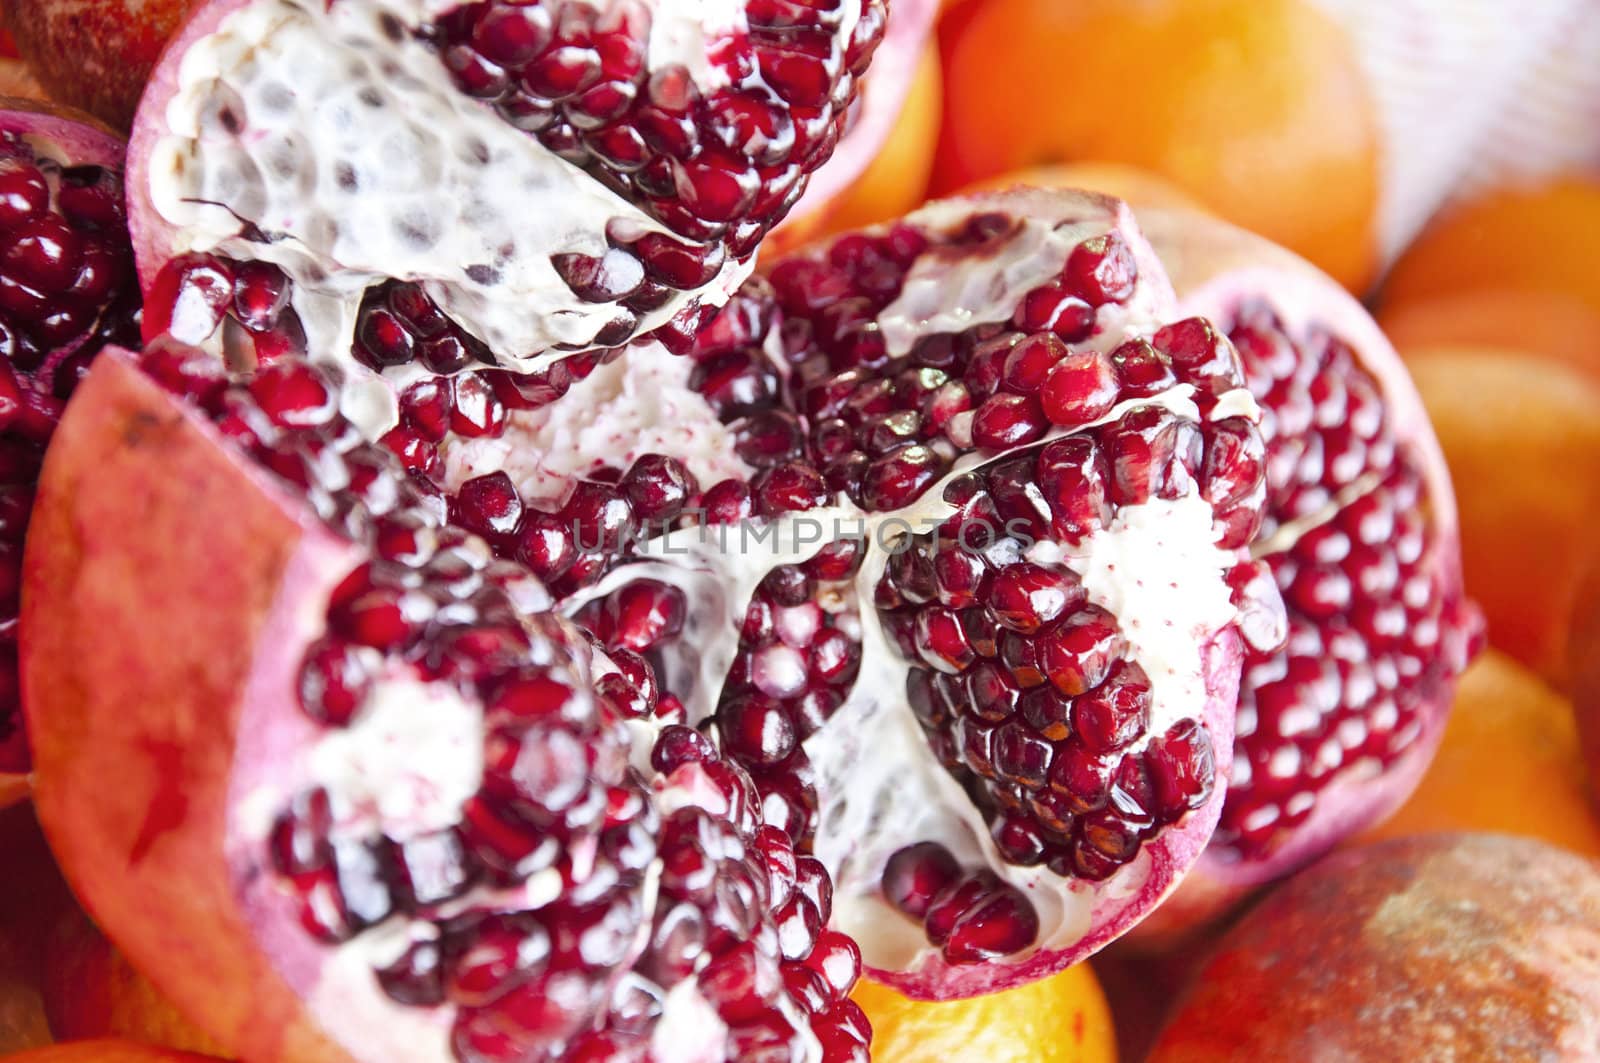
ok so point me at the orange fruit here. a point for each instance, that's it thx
(896, 181)
(1060, 1019)
(1139, 187)
(1510, 762)
(1522, 439)
(105, 1051)
(1549, 324)
(1530, 239)
(1256, 108)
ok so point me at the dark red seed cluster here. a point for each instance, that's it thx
(718, 169)
(970, 918)
(66, 290)
(1026, 690)
(1374, 634)
(196, 294)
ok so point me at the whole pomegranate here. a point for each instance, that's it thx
(1438, 947)
(66, 289)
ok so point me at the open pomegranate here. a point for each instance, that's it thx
(66, 290)
(917, 602)
(1335, 730)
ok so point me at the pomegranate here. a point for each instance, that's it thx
(1453, 946)
(66, 290)
(377, 214)
(405, 810)
(1335, 730)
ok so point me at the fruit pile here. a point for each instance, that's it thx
(616, 531)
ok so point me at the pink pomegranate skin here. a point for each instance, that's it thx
(42, 373)
(213, 529)
(1216, 268)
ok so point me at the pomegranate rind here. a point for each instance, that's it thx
(884, 92)
(82, 138)
(217, 561)
(152, 236)
(1446, 946)
(1213, 265)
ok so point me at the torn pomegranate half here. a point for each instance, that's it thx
(410, 189)
(1336, 729)
(66, 290)
(394, 806)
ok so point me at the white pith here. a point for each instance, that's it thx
(636, 405)
(296, 71)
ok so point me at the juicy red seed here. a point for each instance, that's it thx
(679, 745)
(488, 505)
(1052, 308)
(334, 683)
(897, 480)
(1005, 421)
(1102, 270)
(1031, 361)
(757, 730)
(1082, 387)
(1182, 769)
(1073, 477)
(942, 641)
(915, 875)
(643, 614)
(1078, 655)
(1112, 715)
(789, 488)
(1142, 369)
(1025, 597)
(728, 502)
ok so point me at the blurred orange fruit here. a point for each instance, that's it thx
(1256, 108)
(1529, 239)
(90, 991)
(105, 1051)
(1550, 324)
(1522, 438)
(1061, 1019)
(1139, 187)
(896, 182)
(1510, 762)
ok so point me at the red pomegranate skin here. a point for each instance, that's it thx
(1457, 947)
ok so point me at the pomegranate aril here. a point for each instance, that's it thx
(1102, 270)
(917, 874)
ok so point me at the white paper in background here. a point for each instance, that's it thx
(1472, 94)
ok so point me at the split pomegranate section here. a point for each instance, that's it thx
(66, 290)
(1336, 729)
(428, 189)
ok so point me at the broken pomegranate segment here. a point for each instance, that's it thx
(1337, 727)
(410, 189)
(412, 813)
(66, 290)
